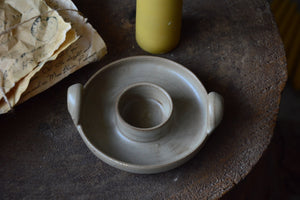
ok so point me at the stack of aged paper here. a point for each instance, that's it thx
(49, 41)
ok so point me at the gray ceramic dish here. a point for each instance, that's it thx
(194, 114)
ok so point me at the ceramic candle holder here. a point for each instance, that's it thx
(143, 111)
(144, 114)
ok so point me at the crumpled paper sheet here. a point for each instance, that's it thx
(30, 44)
(15, 94)
(74, 53)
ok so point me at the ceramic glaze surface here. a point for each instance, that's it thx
(186, 132)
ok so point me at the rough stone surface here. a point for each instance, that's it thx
(232, 46)
(277, 174)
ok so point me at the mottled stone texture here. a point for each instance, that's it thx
(234, 49)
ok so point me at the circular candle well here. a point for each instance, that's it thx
(143, 110)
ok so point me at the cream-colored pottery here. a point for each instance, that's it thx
(144, 114)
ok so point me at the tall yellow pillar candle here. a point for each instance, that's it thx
(158, 24)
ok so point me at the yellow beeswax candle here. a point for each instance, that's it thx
(158, 24)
